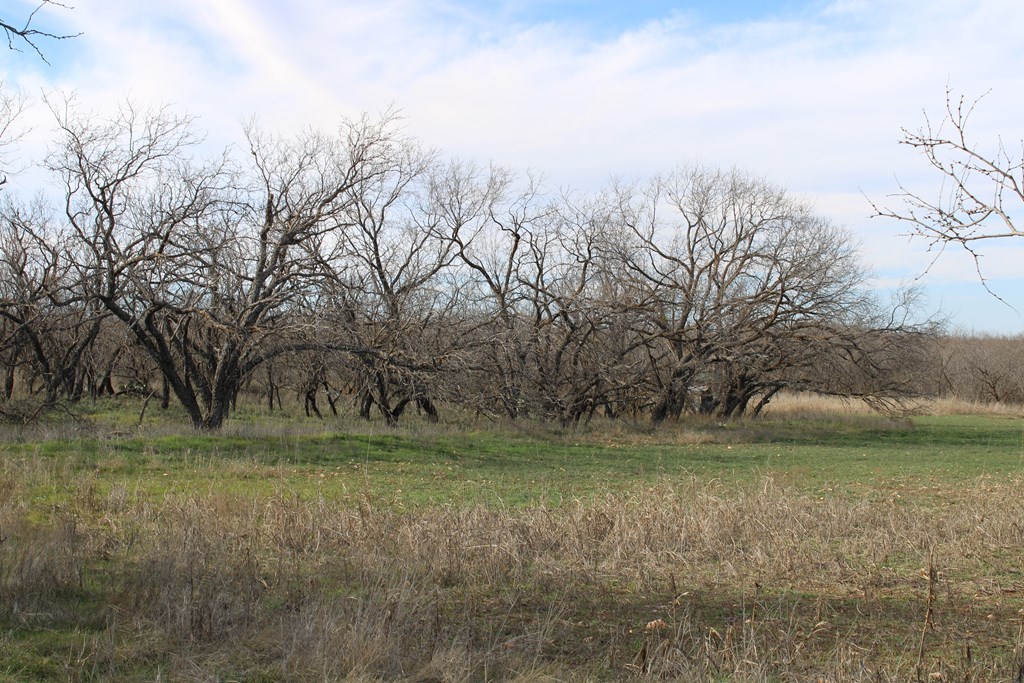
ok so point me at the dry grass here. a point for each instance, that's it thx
(801, 404)
(686, 580)
(954, 406)
(806, 404)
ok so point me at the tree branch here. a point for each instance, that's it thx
(29, 35)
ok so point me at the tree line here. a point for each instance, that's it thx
(359, 265)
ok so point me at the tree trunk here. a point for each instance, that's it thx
(9, 382)
(332, 400)
(428, 408)
(765, 400)
(270, 388)
(311, 405)
(365, 404)
(673, 398)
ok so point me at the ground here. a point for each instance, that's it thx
(820, 542)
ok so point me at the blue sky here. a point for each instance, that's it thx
(608, 18)
(810, 94)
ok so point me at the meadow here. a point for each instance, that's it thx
(820, 542)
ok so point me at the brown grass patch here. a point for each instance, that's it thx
(741, 583)
(806, 404)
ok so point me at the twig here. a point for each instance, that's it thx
(145, 404)
(933, 577)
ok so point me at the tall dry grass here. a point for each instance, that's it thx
(809, 404)
(687, 580)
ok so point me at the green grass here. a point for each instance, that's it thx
(430, 464)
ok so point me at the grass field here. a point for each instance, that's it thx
(818, 543)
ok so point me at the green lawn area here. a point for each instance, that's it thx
(422, 464)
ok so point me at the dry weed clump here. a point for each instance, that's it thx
(958, 406)
(795, 405)
(687, 580)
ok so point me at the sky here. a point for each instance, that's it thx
(810, 94)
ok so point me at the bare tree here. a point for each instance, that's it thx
(492, 225)
(51, 325)
(359, 261)
(12, 105)
(537, 300)
(744, 288)
(981, 191)
(390, 299)
(210, 265)
(25, 33)
(146, 224)
(585, 348)
(980, 368)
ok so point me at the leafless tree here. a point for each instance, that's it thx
(586, 349)
(980, 191)
(360, 261)
(12, 105)
(537, 300)
(51, 326)
(208, 264)
(980, 368)
(20, 33)
(745, 288)
(492, 223)
(25, 270)
(390, 296)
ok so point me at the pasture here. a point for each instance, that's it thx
(820, 542)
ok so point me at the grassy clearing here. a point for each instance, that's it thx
(800, 547)
(429, 464)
